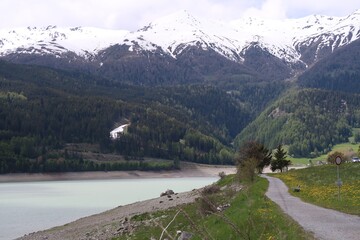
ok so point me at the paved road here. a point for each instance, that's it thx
(324, 223)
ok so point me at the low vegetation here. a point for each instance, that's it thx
(233, 212)
(318, 186)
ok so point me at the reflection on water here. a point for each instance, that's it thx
(33, 206)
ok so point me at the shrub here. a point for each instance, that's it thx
(222, 175)
(206, 205)
(211, 189)
(246, 170)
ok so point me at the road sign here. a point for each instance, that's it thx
(338, 160)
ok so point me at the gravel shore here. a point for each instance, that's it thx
(187, 170)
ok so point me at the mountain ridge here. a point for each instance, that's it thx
(297, 43)
(186, 102)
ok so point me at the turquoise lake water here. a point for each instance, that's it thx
(32, 206)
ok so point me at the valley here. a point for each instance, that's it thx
(94, 117)
(196, 96)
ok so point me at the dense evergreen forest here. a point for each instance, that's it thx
(316, 112)
(340, 72)
(310, 121)
(43, 111)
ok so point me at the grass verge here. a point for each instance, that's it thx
(249, 215)
(347, 148)
(318, 186)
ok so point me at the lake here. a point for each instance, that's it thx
(32, 206)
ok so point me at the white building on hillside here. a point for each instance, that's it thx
(117, 132)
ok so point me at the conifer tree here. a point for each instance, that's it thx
(279, 162)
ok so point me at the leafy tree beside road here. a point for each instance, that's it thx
(252, 156)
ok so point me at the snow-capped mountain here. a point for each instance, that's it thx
(292, 44)
(54, 40)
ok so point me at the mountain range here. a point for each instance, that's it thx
(191, 89)
(251, 46)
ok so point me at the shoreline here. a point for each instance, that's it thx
(106, 225)
(186, 170)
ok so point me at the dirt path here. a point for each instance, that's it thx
(326, 224)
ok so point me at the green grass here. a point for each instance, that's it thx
(343, 147)
(318, 186)
(251, 215)
(346, 148)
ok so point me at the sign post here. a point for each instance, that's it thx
(338, 161)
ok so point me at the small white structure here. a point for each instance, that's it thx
(117, 132)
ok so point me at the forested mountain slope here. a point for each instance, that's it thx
(310, 121)
(186, 97)
(338, 72)
(320, 112)
(42, 110)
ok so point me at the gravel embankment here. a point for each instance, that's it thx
(326, 224)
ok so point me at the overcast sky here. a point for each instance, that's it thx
(133, 14)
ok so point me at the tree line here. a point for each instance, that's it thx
(254, 156)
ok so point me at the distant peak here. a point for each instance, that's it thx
(357, 12)
(182, 16)
(353, 16)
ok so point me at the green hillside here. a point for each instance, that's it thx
(338, 72)
(43, 110)
(310, 121)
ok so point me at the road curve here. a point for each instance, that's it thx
(324, 223)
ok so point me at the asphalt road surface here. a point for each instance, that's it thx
(324, 223)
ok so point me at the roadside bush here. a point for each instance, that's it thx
(246, 170)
